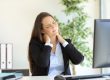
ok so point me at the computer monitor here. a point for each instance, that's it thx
(101, 43)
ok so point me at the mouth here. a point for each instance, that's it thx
(54, 31)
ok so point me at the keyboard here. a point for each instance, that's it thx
(6, 76)
(87, 76)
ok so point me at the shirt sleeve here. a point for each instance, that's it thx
(49, 44)
(65, 44)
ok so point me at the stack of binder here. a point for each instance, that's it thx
(6, 55)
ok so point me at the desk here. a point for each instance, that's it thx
(51, 78)
(37, 78)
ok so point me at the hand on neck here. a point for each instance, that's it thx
(53, 40)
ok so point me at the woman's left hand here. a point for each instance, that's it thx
(60, 38)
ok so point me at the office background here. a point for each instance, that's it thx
(17, 18)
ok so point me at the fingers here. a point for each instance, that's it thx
(60, 38)
(46, 38)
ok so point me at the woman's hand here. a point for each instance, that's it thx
(46, 38)
(60, 38)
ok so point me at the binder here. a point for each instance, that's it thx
(3, 56)
(9, 56)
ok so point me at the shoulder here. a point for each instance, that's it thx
(34, 42)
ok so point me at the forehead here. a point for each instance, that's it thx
(47, 20)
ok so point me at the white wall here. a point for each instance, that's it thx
(16, 22)
(106, 9)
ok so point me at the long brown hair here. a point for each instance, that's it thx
(36, 33)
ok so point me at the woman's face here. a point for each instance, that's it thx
(50, 26)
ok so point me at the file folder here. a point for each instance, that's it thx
(9, 56)
(3, 56)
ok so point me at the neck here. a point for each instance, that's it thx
(53, 40)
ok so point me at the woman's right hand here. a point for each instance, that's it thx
(46, 38)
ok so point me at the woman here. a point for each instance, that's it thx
(49, 52)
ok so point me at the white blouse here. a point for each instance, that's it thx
(56, 61)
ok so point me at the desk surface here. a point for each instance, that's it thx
(37, 78)
(51, 78)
